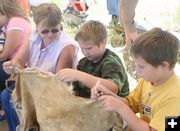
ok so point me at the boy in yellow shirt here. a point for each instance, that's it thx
(157, 94)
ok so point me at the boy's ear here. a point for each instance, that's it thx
(165, 64)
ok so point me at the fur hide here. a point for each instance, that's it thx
(47, 104)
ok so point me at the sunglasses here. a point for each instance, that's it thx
(46, 31)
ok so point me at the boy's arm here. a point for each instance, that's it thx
(119, 105)
(70, 75)
(134, 122)
(90, 81)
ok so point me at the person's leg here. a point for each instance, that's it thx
(112, 7)
(3, 77)
(127, 13)
(10, 113)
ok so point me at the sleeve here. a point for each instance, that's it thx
(168, 108)
(113, 69)
(17, 23)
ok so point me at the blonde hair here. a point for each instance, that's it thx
(92, 31)
(11, 8)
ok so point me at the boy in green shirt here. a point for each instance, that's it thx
(99, 63)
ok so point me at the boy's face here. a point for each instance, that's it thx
(91, 51)
(148, 72)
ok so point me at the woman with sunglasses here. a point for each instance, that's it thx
(49, 49)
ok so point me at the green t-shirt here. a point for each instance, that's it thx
(108, 67)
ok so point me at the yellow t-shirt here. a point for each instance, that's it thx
(154, 103)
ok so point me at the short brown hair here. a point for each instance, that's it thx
(92, 30)
(48, 12)
(156, 46)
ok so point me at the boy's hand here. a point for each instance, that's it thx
(67, 75)
(111, 103)
(95, 93)
(99, 90)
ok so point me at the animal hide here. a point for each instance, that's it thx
(49, 104)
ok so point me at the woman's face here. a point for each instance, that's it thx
(48, 34)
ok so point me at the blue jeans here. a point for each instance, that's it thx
(10, 113)
(112, 7)
(3, 77)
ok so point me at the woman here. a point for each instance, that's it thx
(49, 49)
